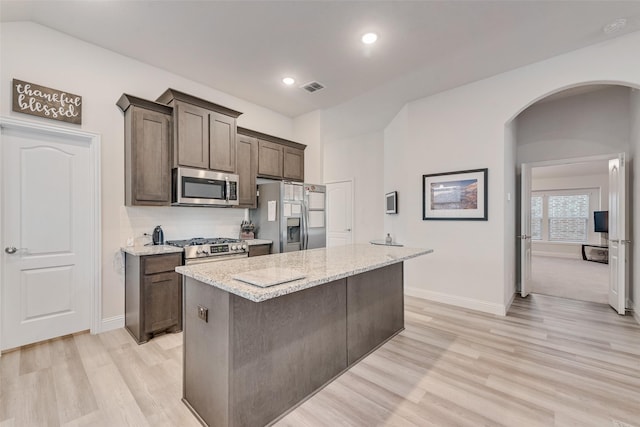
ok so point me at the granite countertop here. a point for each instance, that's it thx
(318, 266)
(151, 250)
(384, 242)
(253, 242)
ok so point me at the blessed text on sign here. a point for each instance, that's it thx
(41, 101)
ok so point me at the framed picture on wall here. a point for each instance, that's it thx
(391, 200)
(460, 195)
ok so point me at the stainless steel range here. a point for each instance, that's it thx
(199, 250)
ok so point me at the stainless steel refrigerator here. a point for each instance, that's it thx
(292, 215)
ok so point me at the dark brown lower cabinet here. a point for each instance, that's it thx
(153, 295)
(257, 250)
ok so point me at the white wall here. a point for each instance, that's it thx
(37, 54)
(464, 128)
(397, 131)
(361, 159)
(576, 126)
(635, 203)
(307, 129)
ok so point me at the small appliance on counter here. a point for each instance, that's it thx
(247, 230)
(158, 236)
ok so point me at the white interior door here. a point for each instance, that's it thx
(47, 219)
(339, 213)
(525, 230)
(617, 234)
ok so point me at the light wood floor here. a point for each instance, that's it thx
(549, 362)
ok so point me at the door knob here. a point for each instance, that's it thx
(348, 229)
(10, 250)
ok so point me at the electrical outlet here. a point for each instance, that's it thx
(203, 313)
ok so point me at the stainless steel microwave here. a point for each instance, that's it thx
(199, 187)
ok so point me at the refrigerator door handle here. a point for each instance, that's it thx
(305, 226)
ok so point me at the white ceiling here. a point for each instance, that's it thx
(244, 48)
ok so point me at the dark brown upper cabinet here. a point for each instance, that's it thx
(293, 164)
(247, 169)
(204, 134)
(147, 138)
(278, 158)
(269, 159)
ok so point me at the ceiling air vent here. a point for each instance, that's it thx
(312, 87)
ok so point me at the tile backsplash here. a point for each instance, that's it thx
(179, 222)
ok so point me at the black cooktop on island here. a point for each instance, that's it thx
(201, 241)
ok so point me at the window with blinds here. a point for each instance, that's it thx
(562, 216)
(568, 217)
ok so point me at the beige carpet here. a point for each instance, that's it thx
(570, 278)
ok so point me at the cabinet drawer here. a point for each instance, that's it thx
(161, 263)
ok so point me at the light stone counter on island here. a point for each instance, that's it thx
(318, 266)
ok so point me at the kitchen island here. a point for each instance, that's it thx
(253, 353)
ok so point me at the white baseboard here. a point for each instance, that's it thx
(556, 254)
(636, 311)
(111, 323)
(473, 304)
(508, 306)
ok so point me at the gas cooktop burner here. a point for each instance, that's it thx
(201, 241)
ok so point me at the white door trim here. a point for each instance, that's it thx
(572, 160)
(92, 140)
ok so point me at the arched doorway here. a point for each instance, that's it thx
(563, 127)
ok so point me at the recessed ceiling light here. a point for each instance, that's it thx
(369, 38)
(614, 26)
(288, 81)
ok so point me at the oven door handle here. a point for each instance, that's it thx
(203, 260)
(227, 189)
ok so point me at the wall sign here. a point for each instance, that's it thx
(42, 101)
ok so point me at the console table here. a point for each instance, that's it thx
(601, 251)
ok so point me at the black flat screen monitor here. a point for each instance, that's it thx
(601, 221)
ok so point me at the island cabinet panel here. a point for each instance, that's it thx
(251, 362)
(248, 363)
(284, 349)
(270, 159)
(206, 353)
(247, 169)
(293, 164)
(375, 309)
